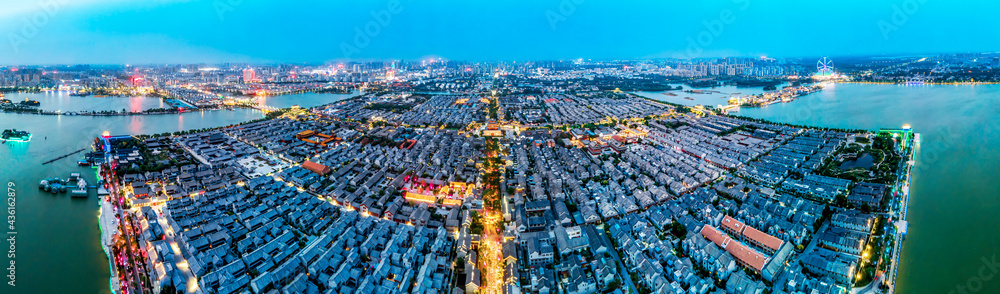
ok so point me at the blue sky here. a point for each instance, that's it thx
(165, 31)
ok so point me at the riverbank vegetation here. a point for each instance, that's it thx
(333, 90)
(885, 161)
(20, 89)
(764, 121)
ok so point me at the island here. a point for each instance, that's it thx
(14, 135)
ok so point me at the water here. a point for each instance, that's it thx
(708, 99)
(865, 161)
(954, 201)
(304, 100)
(61, 100)
(58, 240)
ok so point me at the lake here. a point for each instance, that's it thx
(954, 201)
(707, 99)
(304, 100)
(62, 101)
(864, 161)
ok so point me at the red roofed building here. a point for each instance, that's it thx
(492, 129)
(715, 236)
(744, 255)
(747, 257)
(316, 167)
(762, 240)
(732, 226)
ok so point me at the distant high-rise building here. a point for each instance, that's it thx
(250, 76)
(970, 55)
(996, 62)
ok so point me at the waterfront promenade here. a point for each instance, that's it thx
(901, 226)
(265, 108)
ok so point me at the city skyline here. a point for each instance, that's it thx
(116, 32)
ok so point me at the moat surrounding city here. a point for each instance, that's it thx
(652, 204)
(500, 147)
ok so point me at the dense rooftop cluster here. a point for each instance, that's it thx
(446, 110)
(590, 107)
(268, 235)
(600, 192)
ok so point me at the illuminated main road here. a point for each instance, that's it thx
(490, 247)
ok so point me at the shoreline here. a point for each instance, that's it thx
(107, 225)
(920, 83)
(893, 269)
(74, 113)
(37, 111)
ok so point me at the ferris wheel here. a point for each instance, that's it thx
(824, 66)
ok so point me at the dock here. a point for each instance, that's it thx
(61, 157)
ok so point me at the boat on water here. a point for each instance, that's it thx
(15, 135)
(688, 98)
